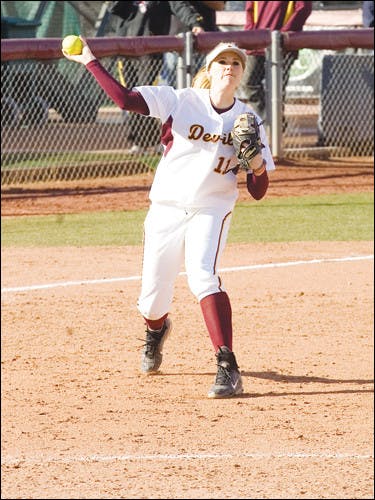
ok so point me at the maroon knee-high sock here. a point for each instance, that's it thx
(217, 313)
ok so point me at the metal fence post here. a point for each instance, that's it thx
(185, 62)
(181, 65)
(275, 109)
(189, 57)
(267, 89)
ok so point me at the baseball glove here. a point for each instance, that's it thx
(246, 139)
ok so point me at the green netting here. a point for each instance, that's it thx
(57, 19)
(25, 10)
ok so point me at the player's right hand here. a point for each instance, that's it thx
(85, 57)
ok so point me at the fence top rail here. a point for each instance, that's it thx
(260, 39)
(329, 39)
(50, 48)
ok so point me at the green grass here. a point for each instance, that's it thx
(346, 217)
(37, 160)
(86, 229)
(308, 218)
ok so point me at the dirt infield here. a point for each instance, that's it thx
(80, 421)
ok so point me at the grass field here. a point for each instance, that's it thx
(339, 217)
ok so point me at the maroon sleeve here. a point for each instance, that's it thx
(257, 185)
(131, 100)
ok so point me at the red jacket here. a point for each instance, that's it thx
(277, 16)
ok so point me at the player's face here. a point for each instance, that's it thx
(226, 71)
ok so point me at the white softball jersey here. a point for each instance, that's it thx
(195, 171)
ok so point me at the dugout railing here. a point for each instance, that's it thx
(57, 123)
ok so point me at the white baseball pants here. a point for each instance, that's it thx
(170, 235)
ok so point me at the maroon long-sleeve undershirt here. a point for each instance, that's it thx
(257, 185)
(131, 100)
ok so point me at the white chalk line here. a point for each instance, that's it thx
(222, 270)
(42, 460)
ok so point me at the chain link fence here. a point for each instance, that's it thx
(329, 108)
(58, 125)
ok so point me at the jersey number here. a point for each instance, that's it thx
(222, 166)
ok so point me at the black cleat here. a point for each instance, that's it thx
(152, 354)
(228, 380)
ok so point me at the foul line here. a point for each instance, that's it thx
(222, 270)
(29, 461)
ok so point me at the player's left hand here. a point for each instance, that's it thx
(246, 139)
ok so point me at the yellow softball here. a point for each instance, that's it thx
(72, 45)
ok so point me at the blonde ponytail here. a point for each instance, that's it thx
(201, 79)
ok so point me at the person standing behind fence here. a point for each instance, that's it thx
(368, 14)
(207, 12)
(276, 16)
(147, 19)
(192, 198)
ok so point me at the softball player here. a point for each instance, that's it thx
(192, 198)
